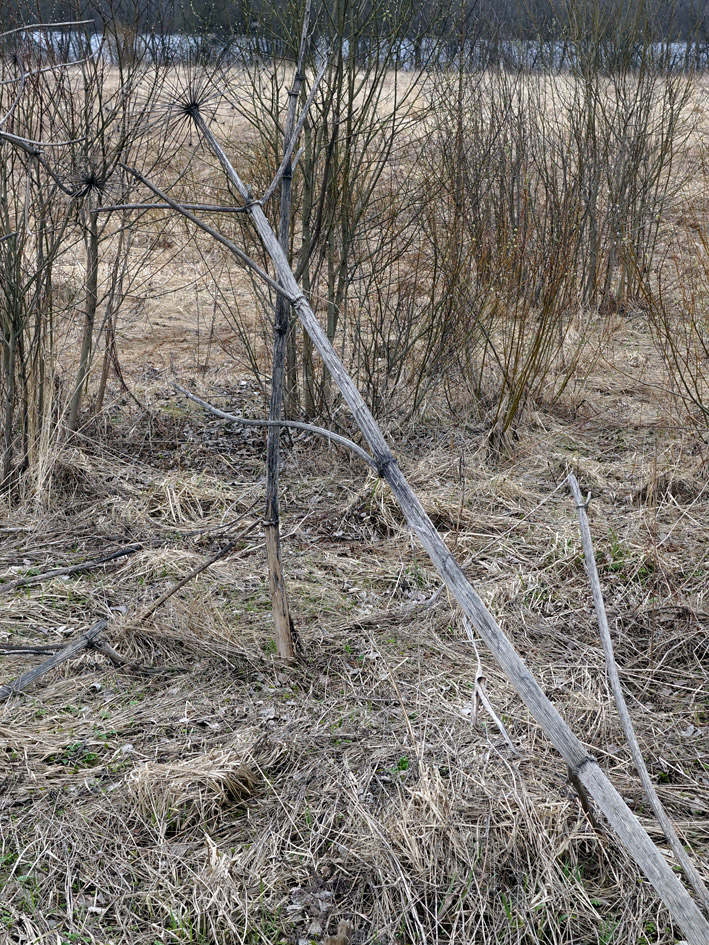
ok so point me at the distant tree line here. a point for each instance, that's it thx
(276, 22)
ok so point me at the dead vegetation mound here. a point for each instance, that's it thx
(194, 790)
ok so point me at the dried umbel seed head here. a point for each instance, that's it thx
(91, 179)
(183, 98)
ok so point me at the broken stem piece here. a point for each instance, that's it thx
(612, 669)
(479, 693)
(73, 649)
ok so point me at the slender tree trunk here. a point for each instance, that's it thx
(110, 355)
(105, 367)
(291, 396)
(89, 318)
(308, 373)
(9, 365)
(12, 328)
(283, 623)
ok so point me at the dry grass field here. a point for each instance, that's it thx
(206, 793)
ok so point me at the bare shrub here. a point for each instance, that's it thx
(36, 216)
(676, 297)
(62, 263)
(550, 182)
(358, 131)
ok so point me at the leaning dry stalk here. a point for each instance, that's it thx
(612, 669)
(581, 764)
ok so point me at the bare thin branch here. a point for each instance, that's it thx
(232, 247)
(17, 139)
(58, 65)
(33, 151)
(291, 424)
(612, 669)
(44, 26)
(201, 207)
(298, 128)
(11, 109)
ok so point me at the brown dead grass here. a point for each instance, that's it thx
(239, 800)
(230, 799)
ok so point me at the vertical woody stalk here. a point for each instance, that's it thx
(283, 623)
(91, 304)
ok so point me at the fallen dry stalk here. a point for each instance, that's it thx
(193, 574)
(88, 639)
(72, 569)
(667, 826)
(84, 642)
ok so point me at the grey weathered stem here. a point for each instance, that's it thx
(71, 569)
(282, 620)
(625, 824)
(290, 424)
(28, 143)
(202, 207)
(90, 306)
(611, 667)
(73, 649)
